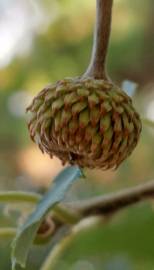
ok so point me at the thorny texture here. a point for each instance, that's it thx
(88, 122)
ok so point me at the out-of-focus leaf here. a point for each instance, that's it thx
(26, 233)
(148, 122)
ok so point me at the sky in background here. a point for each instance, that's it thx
(19, 21)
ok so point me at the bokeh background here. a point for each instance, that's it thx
(42, 41)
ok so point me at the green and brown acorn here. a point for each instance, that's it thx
(88, 122)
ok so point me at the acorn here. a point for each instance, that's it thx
(88, 121)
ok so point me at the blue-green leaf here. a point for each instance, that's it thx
(27, 232)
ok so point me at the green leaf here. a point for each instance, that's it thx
(26, 233)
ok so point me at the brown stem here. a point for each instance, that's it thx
(108, 204)
(96, 68)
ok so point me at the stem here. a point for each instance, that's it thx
(113, 202)
(102, 205)
(63, 214)
(96, 67)
(19, 196)
(66, 215)
(7, 232)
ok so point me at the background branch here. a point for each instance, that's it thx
(72, 213)
(108, 204)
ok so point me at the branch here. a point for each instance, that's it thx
(7, 232)
(96, 67)
(108, 204)
(72, 213)
(60, 213)
(95, 208)
(19, 197)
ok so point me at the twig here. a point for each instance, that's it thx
(66, 215)
(72, 213)
(99, 206)
(96, 67)
(19, 196)
(7, 232)
(60, 213)
(108, 204)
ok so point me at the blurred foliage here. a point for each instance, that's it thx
(60, 46)
(123, 242)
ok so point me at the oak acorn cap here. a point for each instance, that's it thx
(88, 122)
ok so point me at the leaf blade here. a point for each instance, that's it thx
(26, 233)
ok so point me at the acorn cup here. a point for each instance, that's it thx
(87, 121)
